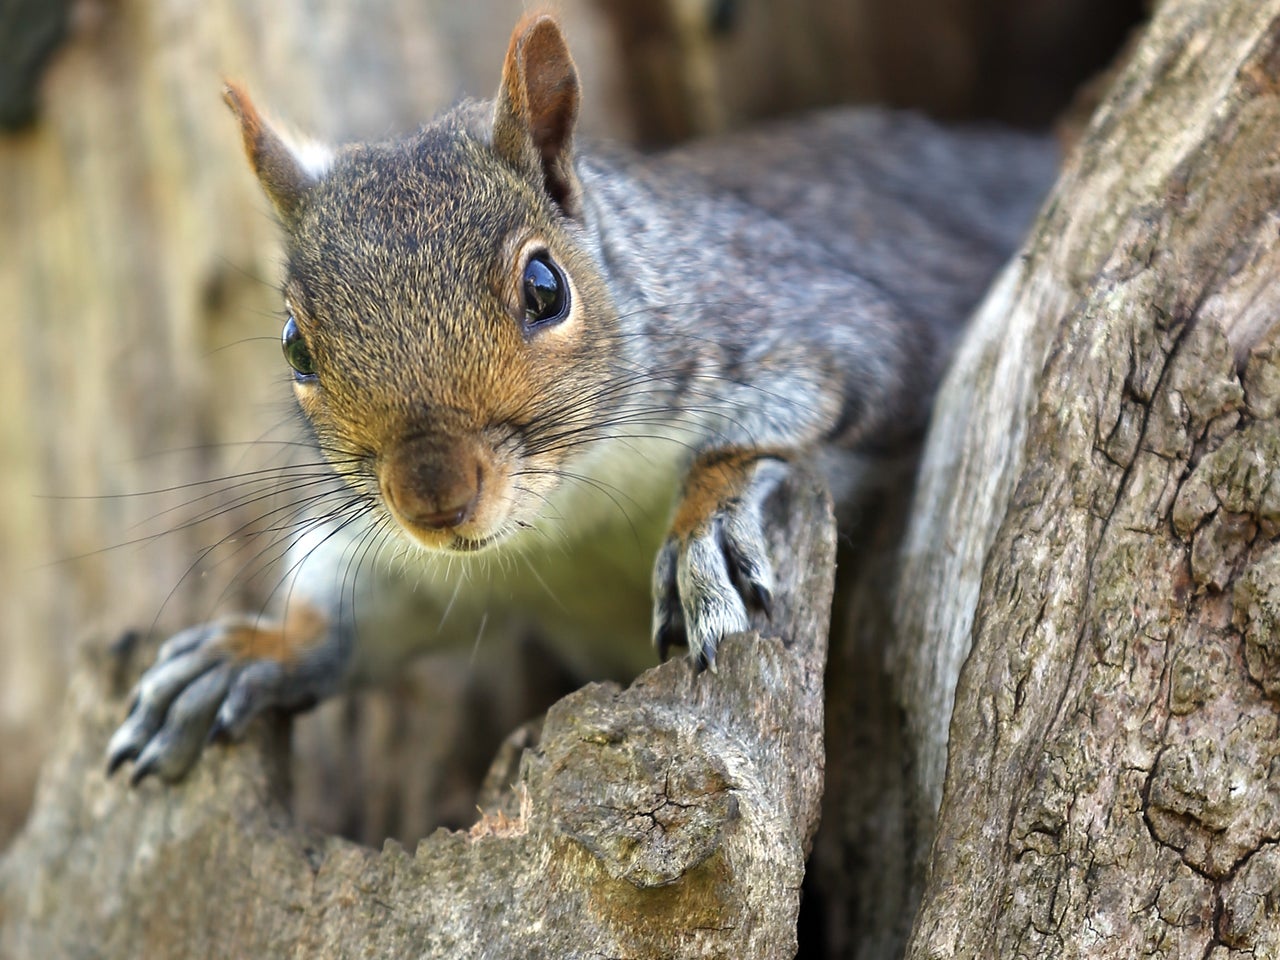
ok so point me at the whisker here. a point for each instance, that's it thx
(475, 646)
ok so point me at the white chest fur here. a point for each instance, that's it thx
(582, 572)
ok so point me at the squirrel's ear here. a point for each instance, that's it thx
(286, 171)
(536, 108)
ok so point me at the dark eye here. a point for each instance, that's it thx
(296, 352)
(545, 290)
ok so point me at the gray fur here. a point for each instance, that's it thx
(828, 262)
(795, 291)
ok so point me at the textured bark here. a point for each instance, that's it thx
(137, 272)
(670, 819)
(1098, 515)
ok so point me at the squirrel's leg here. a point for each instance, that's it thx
(211, 680)
(714, 562)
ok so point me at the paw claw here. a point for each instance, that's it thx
(666, 637)
(116, 759)
(131, 737)
(706, 577)
(198, 691)
(259, 685)
(217, 731)
(147, 762)
(123, 645)
(762, 597)
(142, 769)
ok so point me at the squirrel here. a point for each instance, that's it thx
(514, 351)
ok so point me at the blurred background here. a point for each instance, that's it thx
(140, 315)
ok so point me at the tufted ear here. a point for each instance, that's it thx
(536, 108)
(285, 170)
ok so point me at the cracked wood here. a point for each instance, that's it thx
(1113, 784)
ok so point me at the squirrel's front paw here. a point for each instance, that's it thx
(714, 561)
(209, 681)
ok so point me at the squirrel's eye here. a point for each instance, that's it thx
(546, 291)
(296, 352)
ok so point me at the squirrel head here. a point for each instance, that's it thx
(449, 332)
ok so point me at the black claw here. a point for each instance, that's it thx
(763, 599)
(142, 771)
(747, 575)
(123, 645)
(116, 759)
(668, 636)
(218, 732)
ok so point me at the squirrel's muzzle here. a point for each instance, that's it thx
(432, 484)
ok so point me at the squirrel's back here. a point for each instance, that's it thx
(926, 211)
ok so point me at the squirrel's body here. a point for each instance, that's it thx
(515, 351)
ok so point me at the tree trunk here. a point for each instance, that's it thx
(1097, 520)
(1052, 725)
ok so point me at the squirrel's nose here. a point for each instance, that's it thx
(456, 511)
(432, 486)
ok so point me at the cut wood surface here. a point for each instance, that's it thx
(668, 819)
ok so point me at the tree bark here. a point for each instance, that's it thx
(1097, 522)
(668, 819)
(1092, 540)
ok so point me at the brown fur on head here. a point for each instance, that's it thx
(432, 391)
(537, 106)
